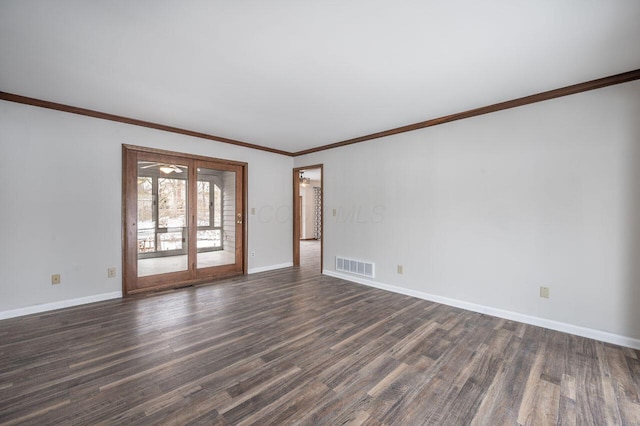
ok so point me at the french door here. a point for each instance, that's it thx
(183, 219)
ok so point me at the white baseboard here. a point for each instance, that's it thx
(270, 268)
(36, 309)
(603, 336)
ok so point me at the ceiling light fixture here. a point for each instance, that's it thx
(167, 169)
(303, 180)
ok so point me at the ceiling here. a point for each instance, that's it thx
(297, 74)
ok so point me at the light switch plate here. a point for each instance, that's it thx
(544, 292)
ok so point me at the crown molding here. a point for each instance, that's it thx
(514, 103)
(133, 121)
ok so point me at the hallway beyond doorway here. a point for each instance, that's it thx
(308, 213)
(310, 254)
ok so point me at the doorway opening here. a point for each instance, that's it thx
(308, 216)
(183, 219)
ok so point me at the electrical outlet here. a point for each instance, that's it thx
(544, 292)
(253, 253)
(400, 269)
(111, 272)
(55, 279)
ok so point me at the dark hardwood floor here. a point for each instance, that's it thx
(295, 347)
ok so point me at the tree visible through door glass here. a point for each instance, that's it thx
(162, 218)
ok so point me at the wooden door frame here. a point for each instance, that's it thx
(129, 216)
(296, 213)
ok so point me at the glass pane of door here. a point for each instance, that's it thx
(146, 215)
(162, 218)
(216, 217)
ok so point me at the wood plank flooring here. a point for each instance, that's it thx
(295, 347)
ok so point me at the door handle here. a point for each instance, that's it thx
(239, 218)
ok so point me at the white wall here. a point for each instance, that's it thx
(60, 188)
(486, 210)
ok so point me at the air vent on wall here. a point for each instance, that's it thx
(358, 267)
